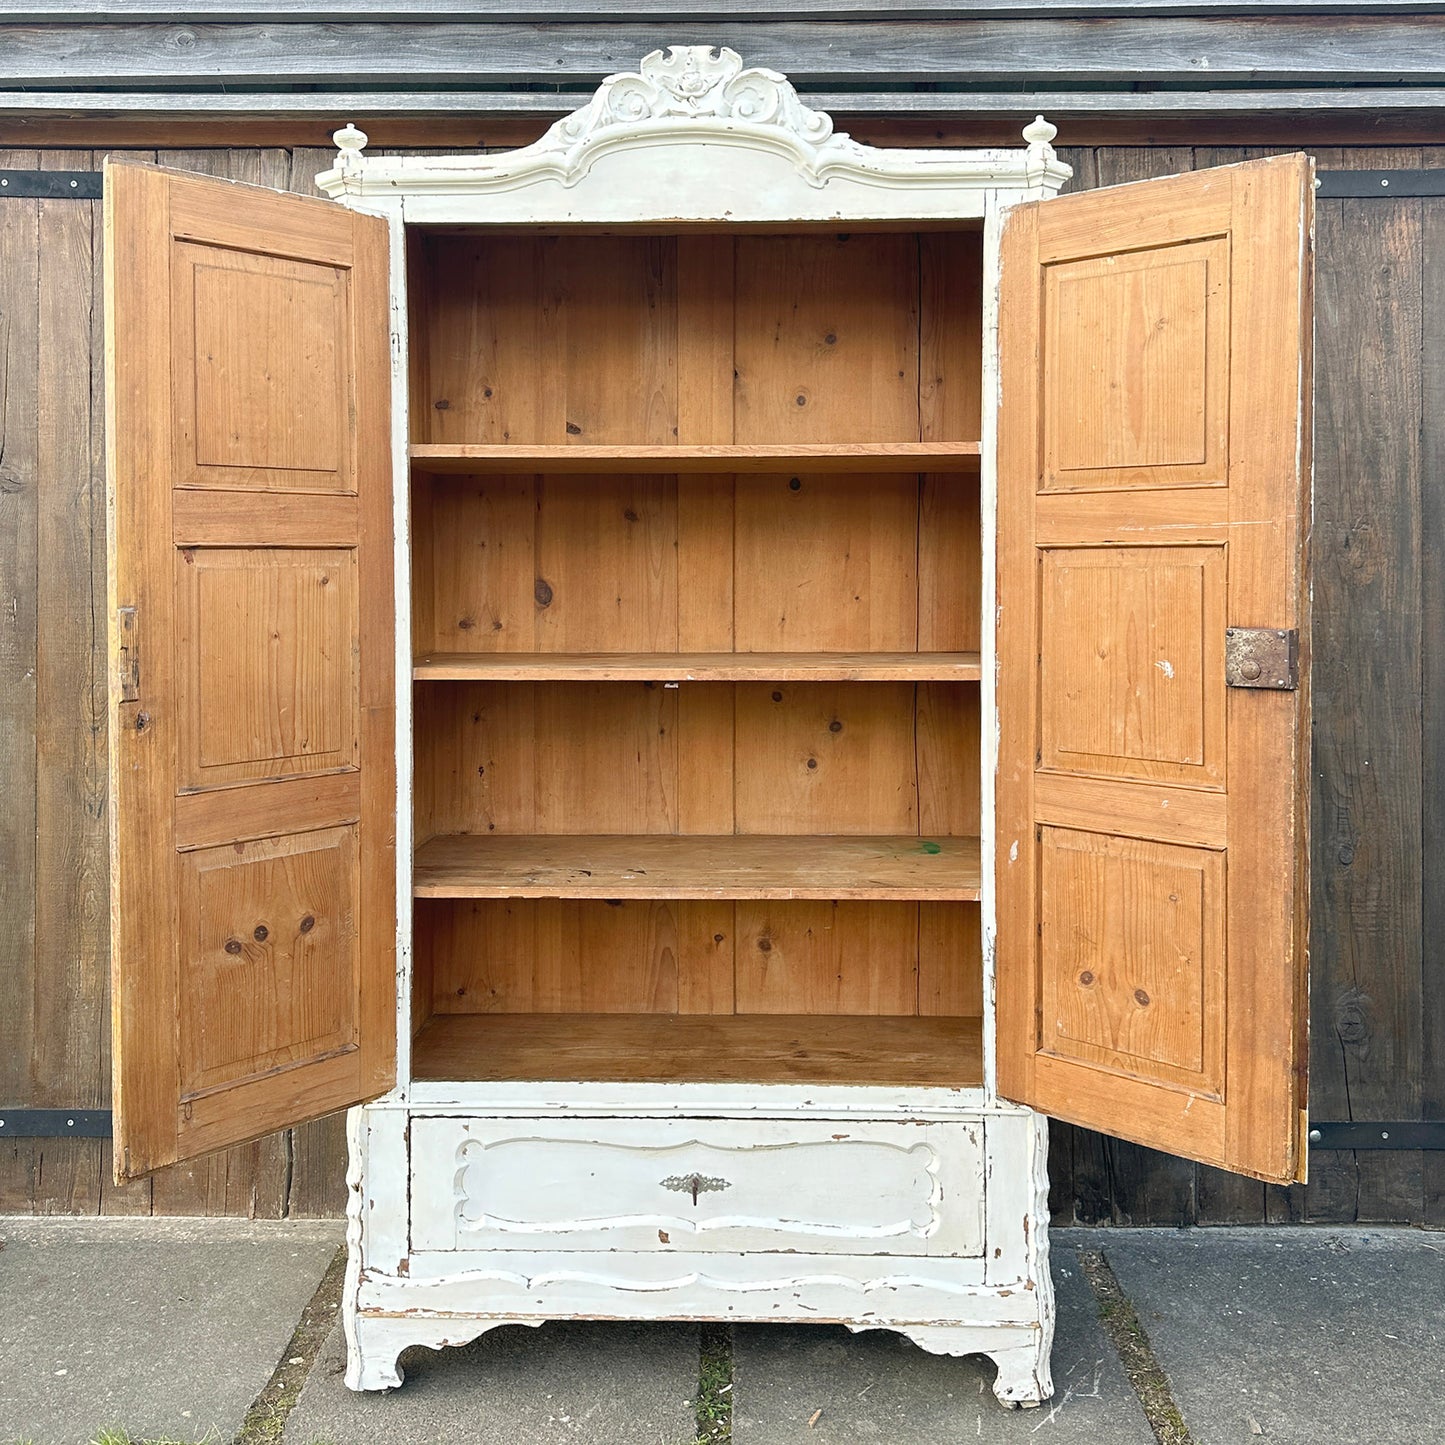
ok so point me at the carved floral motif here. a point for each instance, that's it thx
(693, 81)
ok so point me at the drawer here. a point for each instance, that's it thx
(697, 1185)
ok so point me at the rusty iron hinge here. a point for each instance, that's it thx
(1265, 657)
(128, 650)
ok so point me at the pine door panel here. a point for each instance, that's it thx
(253, 764)
(1153, 492)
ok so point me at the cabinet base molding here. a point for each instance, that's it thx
(948, 1245)
(375, 1342)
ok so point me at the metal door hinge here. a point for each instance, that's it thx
(128, 655)
(1261, 657)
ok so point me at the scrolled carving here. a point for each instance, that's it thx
(694, 82)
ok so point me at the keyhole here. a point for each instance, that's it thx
(695, 1182)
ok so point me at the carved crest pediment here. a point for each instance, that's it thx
(695, 82)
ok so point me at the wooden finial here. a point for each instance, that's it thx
(349, 143)
(1038, 132)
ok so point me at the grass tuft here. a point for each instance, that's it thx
(714, 1385)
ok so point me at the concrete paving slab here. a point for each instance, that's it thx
(158, 1327)
(880, 1387)
(1293, 1335)
(612, 1382)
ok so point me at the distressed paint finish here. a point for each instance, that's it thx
(690, 1200)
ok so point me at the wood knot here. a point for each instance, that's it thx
(233, 946)
(777, 697)
(261, 933)
(308, 923)
(835, 726)
(573, 430)
(543, 592)
(812, 763)
(1086, 978)
(765, 945)
(442, 405)
(795, 484)
(1141, 998)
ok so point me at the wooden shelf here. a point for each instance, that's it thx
(698, 667)
(469, 459)
(468, 865)
(701, 1048)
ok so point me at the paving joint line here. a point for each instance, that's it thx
(714, 1413)
(1120, 1322)
(265, 1421)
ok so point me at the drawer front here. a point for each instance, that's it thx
(697, 1185)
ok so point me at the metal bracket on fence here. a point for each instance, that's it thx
(51, 185)
(54, 1123)
(1382, 185)
(1378, 1135)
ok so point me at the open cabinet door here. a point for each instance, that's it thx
(1152, 870)
(252, 621)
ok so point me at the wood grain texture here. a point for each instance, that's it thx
(744, 1048)
(20, 262)
(1369, 948)
(628, 757)
(1432, 626)
(494, 866)
(195, 1076)
(468, 458)
(698, 667)
(1061, 1038)
(1091, 1174)
(1021, 50)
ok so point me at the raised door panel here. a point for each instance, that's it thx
(238, 318)
(252, 754)
(1153, 493)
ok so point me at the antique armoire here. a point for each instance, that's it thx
(706, 677)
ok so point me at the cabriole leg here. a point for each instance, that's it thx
(1023, 1379)
(372, 1348)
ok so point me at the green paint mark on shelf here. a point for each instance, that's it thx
(930, 848)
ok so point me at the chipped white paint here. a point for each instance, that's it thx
(697, 1185)
(692, 135)
(919, 1210)
(1165, 666)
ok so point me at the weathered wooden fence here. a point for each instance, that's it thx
(1378, 1015)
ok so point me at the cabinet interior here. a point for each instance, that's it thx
(697, 749)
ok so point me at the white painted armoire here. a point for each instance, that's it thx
(706, 677)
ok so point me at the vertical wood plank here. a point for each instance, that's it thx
(71, 901)
(1432, 716)
(19, 564)
(1368, 809)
